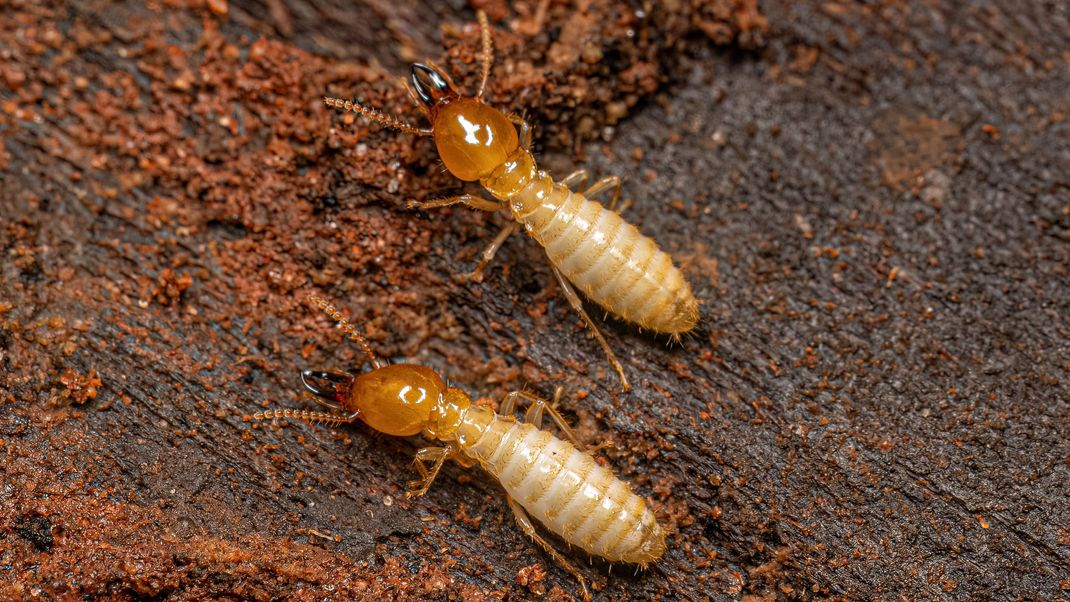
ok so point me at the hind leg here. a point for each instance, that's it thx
(577, 305)
(538, 406)
(525, 130)
(529, 529)
(535, 410)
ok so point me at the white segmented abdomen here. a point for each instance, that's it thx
(606, 257)
(569, 493)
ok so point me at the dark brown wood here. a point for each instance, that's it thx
(871, 201)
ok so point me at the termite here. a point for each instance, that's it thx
(588, 245)
(555, 481)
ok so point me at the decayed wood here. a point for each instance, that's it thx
(870, 202)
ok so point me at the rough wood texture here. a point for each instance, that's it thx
(872, 202)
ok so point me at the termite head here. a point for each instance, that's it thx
(472, 137)
(396, 399)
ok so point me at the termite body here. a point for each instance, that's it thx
(553, 480)
(588, 245)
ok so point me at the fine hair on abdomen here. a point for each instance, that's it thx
(569, 493)
(608, 259)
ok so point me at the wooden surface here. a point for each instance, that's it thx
(871, 202)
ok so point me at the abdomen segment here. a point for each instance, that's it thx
(614, 264)
(570, 494)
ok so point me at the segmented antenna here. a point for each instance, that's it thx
(488, 49)
(306, 415)
(347, 327)
(375, 115)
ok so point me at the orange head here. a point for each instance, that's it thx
(472, 137)
(397, 400)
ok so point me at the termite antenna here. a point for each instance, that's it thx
(375, 115)
(488, 49)
(306, 415)
(347, 327)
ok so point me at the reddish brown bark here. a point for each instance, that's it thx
(870, 201)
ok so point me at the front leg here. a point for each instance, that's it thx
(467, 199)
(436, 457)
(482, 205)
(525, 130)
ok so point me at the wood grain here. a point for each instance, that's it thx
(870, 202)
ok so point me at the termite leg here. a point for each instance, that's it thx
(574, 179)
(598, 187)
(467, 199)
(577, 304)
(464, 460)
(525, 130)
(483, 205)
(537, 406)
(508, 405)
(476, 274)
(529, 529)
(437, 455)
(533, 416)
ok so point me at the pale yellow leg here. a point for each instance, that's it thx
(476, 274)
(435, 455)
(467, 199)
(574, 179)
(533, 416)
(540, 405)
(577, 305)
(605, 183)
(509, 402)
(464, 460)
(483, 205)
(537, 406)
(525, 130)
(529, 529)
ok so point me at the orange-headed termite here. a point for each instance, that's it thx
(589, 246)
(555, 481)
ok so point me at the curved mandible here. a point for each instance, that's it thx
(431, 84)
(332, 397)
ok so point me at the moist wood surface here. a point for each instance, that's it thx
(870, 201)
